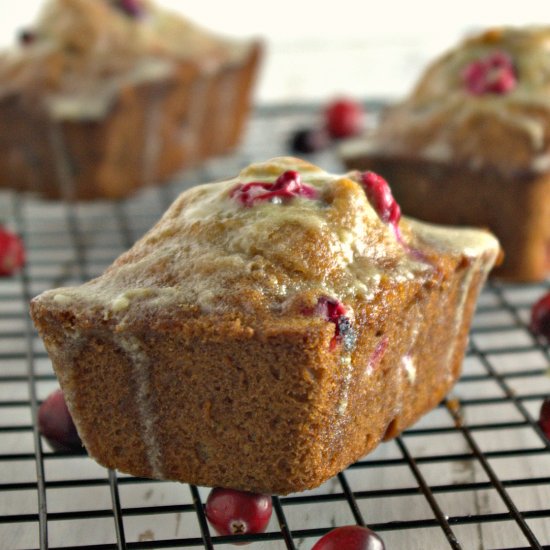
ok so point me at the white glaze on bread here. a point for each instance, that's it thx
(209, 247)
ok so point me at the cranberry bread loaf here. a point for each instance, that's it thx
(102, 97)
(268, 331)
(471, 145)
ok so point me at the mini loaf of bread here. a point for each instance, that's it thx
(102, 97)
(471, 145)
(267, 332)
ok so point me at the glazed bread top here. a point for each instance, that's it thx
(267, 245)
(486, 103)
(80, 52)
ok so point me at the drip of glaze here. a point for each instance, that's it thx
(141, 365)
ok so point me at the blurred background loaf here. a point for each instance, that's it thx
(99, 98)
(316, 50)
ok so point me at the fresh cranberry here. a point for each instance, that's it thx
(344, 118)
(540, 317)
(288, 185)
(335, 312)
(134, 8)
(12, 252)
(544, 417)
(309, 140)
(233, 512)
(494, 74)
(380, 196)
(56, 424)
(350, 537)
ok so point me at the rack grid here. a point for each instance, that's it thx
(472, 474)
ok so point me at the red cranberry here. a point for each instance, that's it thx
(335, 312)
(233, 512)
(12, 252)
(134, 8)
(494, 74)
(288, 185)
(540, 317)
(309, 140)
(26, 37)
(380, 196)
(344, 118)
(56, 424)
(350, 537)
(331, 308)
(544, 417)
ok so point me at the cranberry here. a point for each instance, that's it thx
(544, 417)
(335, 312)
(134, 8)
(26, 37)
(233, 512)
(494, 74)
(288, 185)
(350, 537)
(56, 424)
(309, 140)
(344, 118)
(540, 317)
(12, 252)
(380, 196)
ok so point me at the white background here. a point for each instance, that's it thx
(318, 49)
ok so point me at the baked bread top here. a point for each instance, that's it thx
(79, 53)
(486, 103)
(270, 245)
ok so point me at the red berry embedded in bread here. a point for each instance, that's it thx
(335, 312)
(233, 512)
(350, 537)
(494, 74)
(288, 185)
(12, 252)
(381, 199)
(540, 317)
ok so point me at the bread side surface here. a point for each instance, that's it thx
(269, 409)
(206, 345)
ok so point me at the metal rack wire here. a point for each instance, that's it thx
(473, 474)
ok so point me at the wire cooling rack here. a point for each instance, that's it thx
(472, 474)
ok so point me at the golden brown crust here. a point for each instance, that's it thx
(252, 390)
(260, 410)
